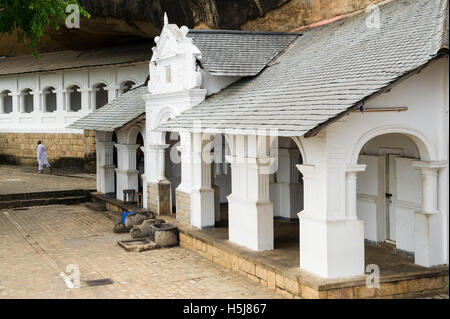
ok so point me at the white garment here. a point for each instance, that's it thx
(42, 157)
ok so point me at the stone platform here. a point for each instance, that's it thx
(279, 269)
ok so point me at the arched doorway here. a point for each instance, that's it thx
(389, 191)
(101, 95)
(173, 164)
(221, 179)
(286, 194)
(26, 101)
(50, 101)
(140, 161)
(74, 98)
(6, 102)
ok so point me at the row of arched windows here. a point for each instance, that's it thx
(49, 99)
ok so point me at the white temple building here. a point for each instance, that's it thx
(342, 126)
(39, 98)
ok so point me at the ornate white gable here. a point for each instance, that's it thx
(173, 66)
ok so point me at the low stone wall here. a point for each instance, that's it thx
(293, 287)
(63, 149)
(183, 202)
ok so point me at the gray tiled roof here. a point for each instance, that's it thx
(239, 53)
(327, 72)
(224, 52)
(115, 114)
(63, 60)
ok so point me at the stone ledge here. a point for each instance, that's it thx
(294, 282)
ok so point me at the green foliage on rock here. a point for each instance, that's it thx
(30, 18)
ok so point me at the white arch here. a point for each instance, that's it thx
(299, 144)
(132, 134)
(52, 90)
(26, 90)
(164, 115)
(100, 82)
(68, 96)
(74, 84)
(427, 151)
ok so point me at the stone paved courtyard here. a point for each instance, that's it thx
(24, 179)
(37, 244)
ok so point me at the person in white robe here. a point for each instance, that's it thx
(42, 158)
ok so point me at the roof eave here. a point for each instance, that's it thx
(313, 132)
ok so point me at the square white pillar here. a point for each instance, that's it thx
(105, 167)
(250, 211)
(127, 174)
(331, 242)
(428, 232)
(202, 195)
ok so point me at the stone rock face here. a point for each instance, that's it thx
(145, 229)
(296, 13)
(115, 22)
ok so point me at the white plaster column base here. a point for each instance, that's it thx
(105, 178)
(427, 239)
(250, 223)
(332, 249)
(144, 192)
(203, 208)
(126, 180)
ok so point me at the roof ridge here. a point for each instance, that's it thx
(244, 32)
(340, 17)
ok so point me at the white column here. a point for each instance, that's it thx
(250, 211)
(60, 103)
(144, 180)
(15, 102)
(2, 110)
(37, 103)
(85, 100)
(287, 188)
(331, 241)
(92, 99)
(157, 162)
(428, 221)
(105, 167)
(202, 196)
(350, 190)
(112, 92)
(127, 174)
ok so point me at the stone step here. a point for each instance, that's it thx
(68, 200)
(44, 195)
(96, 206)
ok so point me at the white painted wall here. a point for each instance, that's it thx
(324, 224)
(213, 84)
(56, 122)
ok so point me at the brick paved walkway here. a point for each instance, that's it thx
(37, 244)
